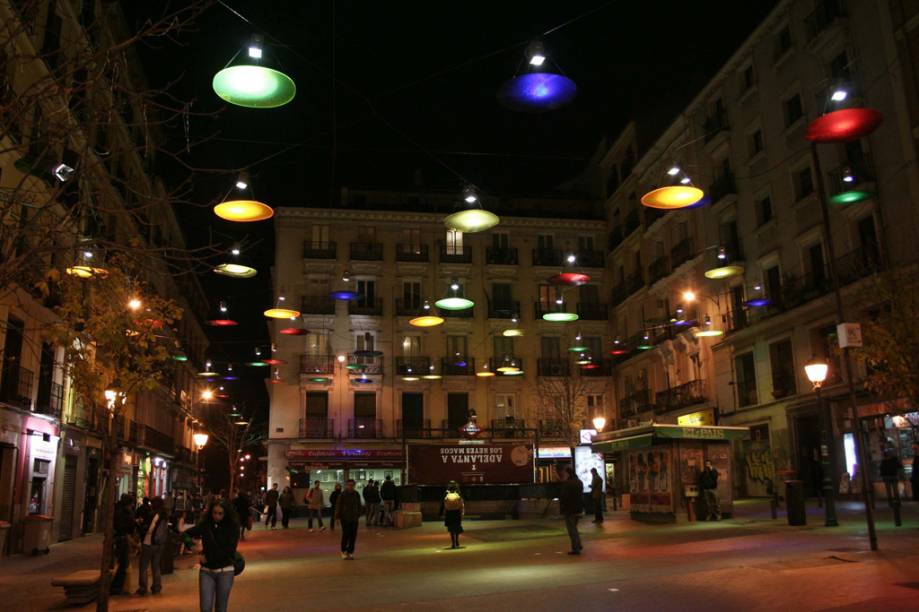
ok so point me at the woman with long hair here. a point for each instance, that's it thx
(453, 510)
(219, 533)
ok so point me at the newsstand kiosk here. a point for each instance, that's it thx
(662, 464)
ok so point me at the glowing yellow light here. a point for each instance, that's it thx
(672, 197)
(235, 270)
(207, 395)
(508, 368)
(708, 333)
(135, 304)
(724, 271)
(85, 271)
(243, 211)
(472, 220)
(281, 313)
(426, 321)
(689, 296)
(410, 378)
(484, 374)
(512, 333)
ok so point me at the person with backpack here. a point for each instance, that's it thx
(452, 509)
(154, 532)
(219, 533)
(315, 501)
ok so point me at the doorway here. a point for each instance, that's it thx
(412, 415)
(807, 434)
(457, 411)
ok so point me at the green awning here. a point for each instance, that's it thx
(642, 441)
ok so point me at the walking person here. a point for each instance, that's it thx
(372, 501)
(333, 501)
(286, 501)
(271, 502)
(914, 476)
(219, 533)
(708, 482)
(348, 513)
(241, 505)
(452, 509)
(315, 501)
(571, 505)
(890, 474)
(596, 494)
(125, 527)
(388, 495)
(154, 532)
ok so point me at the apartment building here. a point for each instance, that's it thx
(361, 383)
(73, 143)
(759, 233)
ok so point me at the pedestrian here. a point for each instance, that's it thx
(333, 501)
(890, 474)
(372, 501)
(286, 501)
(708, 482)
(571, 505)
(452, 509)
(388, 495)
(142, 513)
(125, 526)
(241, 506)
(154, 533)
(596, 493)
(271, 506)
(315, 502)
(219, 533)
(914, 475)
(348, 513)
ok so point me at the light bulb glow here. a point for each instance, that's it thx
(254, 86)
(512, 333)
(281, 313)
(560, 317)
(673, 171)
(724, 271)
(243, 211)
(234, 270)
(839, 95)
(472, 220)
(134, 304)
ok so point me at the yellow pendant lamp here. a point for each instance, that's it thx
(244, 208)
(679, 192)
(474, 218)
(280, 312)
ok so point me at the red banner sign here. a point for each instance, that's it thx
(315, 455)
(470, 463)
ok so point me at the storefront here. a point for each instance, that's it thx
(662, 464)
(336, 465)
(889, 427)
(549, 459)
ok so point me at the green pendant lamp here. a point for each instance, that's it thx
(473, 218)
(454, 301)
(251, 84)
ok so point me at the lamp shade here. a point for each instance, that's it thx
(724, 271)
(573, 279)
(844, 125)
(426, 321)
(243, 211)
(850, 196)
(254, 86)
(454, 303)
(512, 333)
(235, 270)
(560, 317)
(672, 197)
(816, 371)
(281, 313)
(472, 220)
(537, 92)
(293, 331)
(200, 439)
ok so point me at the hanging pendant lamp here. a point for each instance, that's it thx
(235, 266)
(676, 193)
(88, 264)
(243, 208)
(250, 83)
(454, 301)
(538, 88)
(618, 348)
(473, 218)
(852, 189)
(484, 372)
(345, 291)
(222, 319)
(723, 266)
(280, 312)
(708, 330)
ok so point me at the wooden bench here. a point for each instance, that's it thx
(80, 587)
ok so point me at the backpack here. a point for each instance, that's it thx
(453, 501)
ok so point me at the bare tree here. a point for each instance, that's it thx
(563, 399)
(234, 431)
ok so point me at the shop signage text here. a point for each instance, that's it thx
(487, 464)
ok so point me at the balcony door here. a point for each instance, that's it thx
(412, 413)
(367, 292)
(457, 411)
(12, 355)
(502, 295)
(411, 294)
(319, 236)
(365, 414)
(317, 414)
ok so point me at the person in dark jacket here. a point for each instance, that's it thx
(914, 475)
(348, 512)
(271, 500)
(333, 500)
(452, 508)
(154, 532)
(219, 533)
(388, 495)
(243, 513)
(125, 527)
(596, 494)
(890, 474)
(142, 513)
(571, 505)
(708, 482)
(372, 500)
(286, 501)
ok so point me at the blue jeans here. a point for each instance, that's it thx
(150, 556)
(214, 590)
(315, 513)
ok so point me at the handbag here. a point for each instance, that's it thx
(239, 562)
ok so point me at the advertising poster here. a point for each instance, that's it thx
(584, 460)
(438, 464)
(650, 478)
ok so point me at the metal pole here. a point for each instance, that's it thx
(840, 317)
(826, 461)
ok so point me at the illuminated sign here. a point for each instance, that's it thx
(704, 417)
(554, 452)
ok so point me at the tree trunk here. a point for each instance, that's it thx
(107, 520)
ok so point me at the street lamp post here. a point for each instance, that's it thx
(200, 439)
(816, 371)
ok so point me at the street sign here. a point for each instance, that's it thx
(849, 334)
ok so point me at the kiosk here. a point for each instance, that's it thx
(662, 463)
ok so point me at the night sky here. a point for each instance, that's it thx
(412, 93)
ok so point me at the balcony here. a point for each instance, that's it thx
(658, 269)
(640, 401)
(366, 307)
(317, 364)
(420, 430)
(366, 251)
(501, 257)
(547, 257)
(369, 365)
(406, 366)
(553, 366)
(553, 428)
(589, 311)
(17, 387)
(681, 396)
(603, 368)
(508, 427)
(153, 439)
(722, 187)
(52, 402)
(466, 313)
(627, 287)
(320, 250)
(504, 310)
(615, 238)
(318, 428)
(714, 124)
(413, 252)
(410, 308)
(681, 252)
(365, 428)
(590, 259)
(455, 255)
(457, 366)
(317, 305)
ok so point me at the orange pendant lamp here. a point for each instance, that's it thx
(677, 192)
(243, 208)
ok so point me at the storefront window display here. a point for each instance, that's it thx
(894, 433)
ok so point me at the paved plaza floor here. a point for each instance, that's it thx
(749, 562)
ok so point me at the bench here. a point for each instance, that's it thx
(80, 587)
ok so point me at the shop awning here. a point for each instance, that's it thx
(641, 441)
(644, 436)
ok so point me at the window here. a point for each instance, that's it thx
(411, 294)
(783, 42)
(503, 346)
(502, 294)
(545, 242)
(319, 236)
(868, 241)
(594, 404)
(756, 142)
(748, 78)
(745, 379)
(500, 241)
(772, 283)
(457, 346)
(317, 404)
(781, 360)
(365, 405)
(793, 109)
(589, 294)
(454, 243)
(546, 296)
(839, 68)
(364, 342)
(457, 410)
(594, 346)
(814, 264)
(803, 183)
(367, 292)
(550, 346)
(505, 405)
(411, 240)
(585, 244)
(411, 346)
(764, 210)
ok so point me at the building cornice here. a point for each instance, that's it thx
(402, 217)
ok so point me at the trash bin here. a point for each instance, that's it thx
(4, 532)
(794, 502)
(170, 551)
(36, 536)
